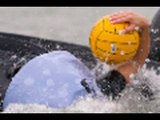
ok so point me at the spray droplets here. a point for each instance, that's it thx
(122, 52)
(154, 31)
(121, 32)
(58, 46)
(129, 42)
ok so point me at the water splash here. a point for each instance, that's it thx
(131, 101)
(154, 31)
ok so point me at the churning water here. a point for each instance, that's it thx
(131, 100)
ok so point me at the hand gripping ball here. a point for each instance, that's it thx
(108, 45)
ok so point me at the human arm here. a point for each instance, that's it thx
(138, 60)
(112, 83)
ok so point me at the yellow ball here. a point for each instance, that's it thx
(108, 45)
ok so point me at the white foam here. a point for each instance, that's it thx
(130, 102)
